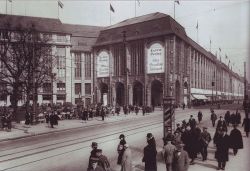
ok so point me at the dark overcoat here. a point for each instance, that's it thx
(246, 124)
(180, 161)
(236, 141)
(150, 157)
(221, 153)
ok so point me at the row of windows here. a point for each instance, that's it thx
(78, 88)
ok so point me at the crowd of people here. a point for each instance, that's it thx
(183, 146)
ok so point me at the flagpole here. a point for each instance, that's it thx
(110, 17)
(174, 10)
(135, 8)
(210, 44)
(197, 27)
(58, 11)
(6, 6)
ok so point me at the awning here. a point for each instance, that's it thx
(199, 96)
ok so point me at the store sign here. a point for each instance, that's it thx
(103, 64)
(155, 59)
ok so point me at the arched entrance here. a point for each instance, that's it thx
(177, 92)
(138, 93)
(104, 93)
(120, 93)
(156, 93)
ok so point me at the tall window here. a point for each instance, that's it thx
(61, 61)
(137, 58)
(87, 66)
(87, 88)
(78, 64)
(61, 87)
(119, 60)
(61, 38)
(178, 55)
(78, 88)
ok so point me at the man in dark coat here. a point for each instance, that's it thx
(246, 124)
(236, 141)
(227, 117)
(200, 116)
(221, 123)
(222, 147)
(233, 118)
(205, 140)
(213, 117)
(150, 154)
(192, 122)
(237, 117)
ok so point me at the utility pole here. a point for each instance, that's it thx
(33, 78)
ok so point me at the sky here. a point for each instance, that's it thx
(226, 23)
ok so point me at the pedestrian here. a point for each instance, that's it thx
(95, 166)
(233, 119)
(103, 161)
(136, 110)
(222, 147)
(213, 117)
(93, 157)
(246, 124)
(177, 138)
(200, 115)
(102, 113)
(126, 164)
(192, 122)
(84, 115)
(180, 159)
(143, 110)
(237, 117)
(27, 118)
(222, 123)
(236, 141)
(178, 129)
(8, 121)
(120, 148)
(150, 154)
(205, 140)
(227, 117)
(169, 150)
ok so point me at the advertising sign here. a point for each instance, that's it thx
(155, 59)
(103, 64)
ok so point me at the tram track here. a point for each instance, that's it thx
(43, 149)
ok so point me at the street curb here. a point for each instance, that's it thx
(57, 131)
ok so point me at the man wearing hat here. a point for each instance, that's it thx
(222, 147)
(150, 154)
(222, 123)
(103, 160)
(205, 140)
(213, 117)
(95, 166)
(93, 156)
(169, 150)
(180, 159)
(120, 148)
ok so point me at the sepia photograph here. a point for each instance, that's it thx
(124, 85)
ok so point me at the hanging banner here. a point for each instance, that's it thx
(105, 99)
(155, 59)
(102, 64)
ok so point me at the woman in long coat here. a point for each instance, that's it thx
(236, 141)
(126, 159)
(150, 154)
(246, 124)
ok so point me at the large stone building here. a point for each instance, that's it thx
(72, 45)
(137, 61)
(141, 60)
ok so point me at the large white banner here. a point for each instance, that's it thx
(156, 60)
(103, 64)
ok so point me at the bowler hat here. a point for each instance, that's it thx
(149, 135)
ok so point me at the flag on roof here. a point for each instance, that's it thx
(178, 2)
(60, 4)
(220, 49)
(10, 0)
(197, 25)
(111, 8)
(138, 1)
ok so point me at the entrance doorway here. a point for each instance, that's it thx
(120, 93)
(104, 92)
(138, 93)
(156, 93)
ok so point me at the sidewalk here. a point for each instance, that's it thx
(21, 130)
